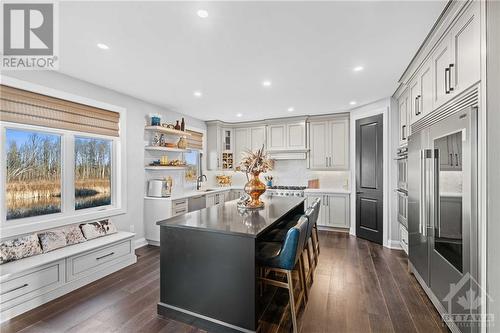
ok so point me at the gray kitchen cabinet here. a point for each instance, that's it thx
(214, 199)
(403, 118)
(214, 147)
(334, 209)
(248, 138)
(287, 136)
(329, 143)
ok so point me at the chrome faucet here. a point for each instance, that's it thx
(199, 180)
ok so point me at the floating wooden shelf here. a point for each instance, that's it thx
(157, 148)
(164, 167)
(167, 130)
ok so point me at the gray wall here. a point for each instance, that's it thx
(493, 157)
(137, 114)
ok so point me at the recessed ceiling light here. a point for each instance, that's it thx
(239, 115)
(358, 68)
(102, 46)
(202, 13)
(266, 83)
(197, 93)
(291, 109)
(352, 102)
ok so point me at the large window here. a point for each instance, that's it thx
(92, 172)
(192, 159)
(33, 173)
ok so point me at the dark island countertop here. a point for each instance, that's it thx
(227, 219)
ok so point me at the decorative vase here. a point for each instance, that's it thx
(182, 144)
(255, 188)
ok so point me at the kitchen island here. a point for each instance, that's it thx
(207, 263)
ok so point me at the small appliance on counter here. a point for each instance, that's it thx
(160, 188)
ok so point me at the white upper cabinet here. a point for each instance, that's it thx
(296, 136)
(440, 62)
(286, 136)
(276, 137)
(241, 143)
(466, 50)
(426, 84)
(318, 142)
(257, 137)
(339, 144)
(403, 118)
(214, 147)
(451, 67)
(329, 144)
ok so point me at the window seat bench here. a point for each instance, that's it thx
(31, 282)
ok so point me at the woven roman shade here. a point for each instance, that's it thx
(25, 107)
(195, 141)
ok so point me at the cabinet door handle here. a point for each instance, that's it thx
(450, 69)
(330, 159)
(456, 159)
(451, 159)
(416, 106)
(14, 289)
(403, 128)
(104, 256)
(446, 77)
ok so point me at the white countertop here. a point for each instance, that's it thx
(194, 193)
(327, 190)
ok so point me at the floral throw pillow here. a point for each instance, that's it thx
(19, 248)
(98, 229)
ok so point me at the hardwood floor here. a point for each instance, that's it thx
(358, 287)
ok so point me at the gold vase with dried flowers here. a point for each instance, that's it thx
(253, 164)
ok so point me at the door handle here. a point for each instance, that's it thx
(450, 68)
(403, 132)
(360, 192)
(451, 159)
(326, 161)
(330, 158)
(446, 77)
(416, 106)
(456, 159)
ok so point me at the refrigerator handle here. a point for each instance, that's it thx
(435, 192)
(422, 221)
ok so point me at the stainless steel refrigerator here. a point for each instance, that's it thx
(442, 222)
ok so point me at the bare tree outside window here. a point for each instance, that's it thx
(92, 172)
(33, 173)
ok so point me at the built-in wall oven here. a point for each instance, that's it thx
(402, 190)
(402, 159)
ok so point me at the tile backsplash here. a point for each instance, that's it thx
(291, 172)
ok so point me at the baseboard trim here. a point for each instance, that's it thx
(191, 318)
(394, 244)
(140, 243)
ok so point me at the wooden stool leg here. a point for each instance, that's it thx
(316, 232)
(311, 265)
(303, 275)
(292, 301)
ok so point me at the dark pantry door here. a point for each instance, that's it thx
(369, 178)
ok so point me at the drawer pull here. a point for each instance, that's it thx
(104, 256)
(14, 289)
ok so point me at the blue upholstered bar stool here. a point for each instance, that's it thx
(283, 258)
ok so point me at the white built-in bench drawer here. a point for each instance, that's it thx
(86, 263)
(31, 284)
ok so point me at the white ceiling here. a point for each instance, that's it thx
(162, 52)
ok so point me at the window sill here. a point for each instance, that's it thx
(16, 228)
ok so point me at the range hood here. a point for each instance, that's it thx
(297, 154)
